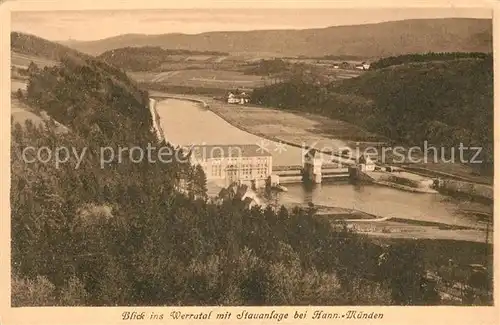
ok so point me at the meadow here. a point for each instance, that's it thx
(210, 78)
(23, 60)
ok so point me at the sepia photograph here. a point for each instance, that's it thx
(251, 157)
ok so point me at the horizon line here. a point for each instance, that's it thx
(252, 30)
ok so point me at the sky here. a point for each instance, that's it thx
(93, 25)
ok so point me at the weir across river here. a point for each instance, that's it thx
(294, 174)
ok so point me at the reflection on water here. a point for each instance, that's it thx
(186, 123)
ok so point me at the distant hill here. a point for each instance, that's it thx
(32, 45)
(370, 40)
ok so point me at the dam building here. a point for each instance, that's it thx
(246, 164)
(251, 165)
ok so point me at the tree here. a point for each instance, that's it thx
(19, 94)
(200, 181)
(404, 270)
(32, 68)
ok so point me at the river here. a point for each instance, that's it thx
(186, 123)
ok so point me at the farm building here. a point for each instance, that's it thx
(241, 98)
(363, 66)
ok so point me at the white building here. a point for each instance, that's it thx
(366, 163)
(247, 164)
(242, 98)
(312, 166)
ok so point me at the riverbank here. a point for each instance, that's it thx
(411, 229)
(343, 214)
(458, 175)
(406, 188)
(160, 135)
(400, 228)
(467, 189)
(161, 96)
(395, 227)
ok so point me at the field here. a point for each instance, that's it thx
(208, 78)
(225, 73)
(294, 127)
(20, 114)
(23, 60)
(344, 74)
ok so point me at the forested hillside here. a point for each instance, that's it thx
(91, 96)
(443, 102)
(123, 233)
(426, 57)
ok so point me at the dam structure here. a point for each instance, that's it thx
(314, 169)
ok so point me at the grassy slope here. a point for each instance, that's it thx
(23, 60)
(371, 40)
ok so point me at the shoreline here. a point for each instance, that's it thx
(406, 188)
(426, 171)
(407, 229)
(160, 135)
